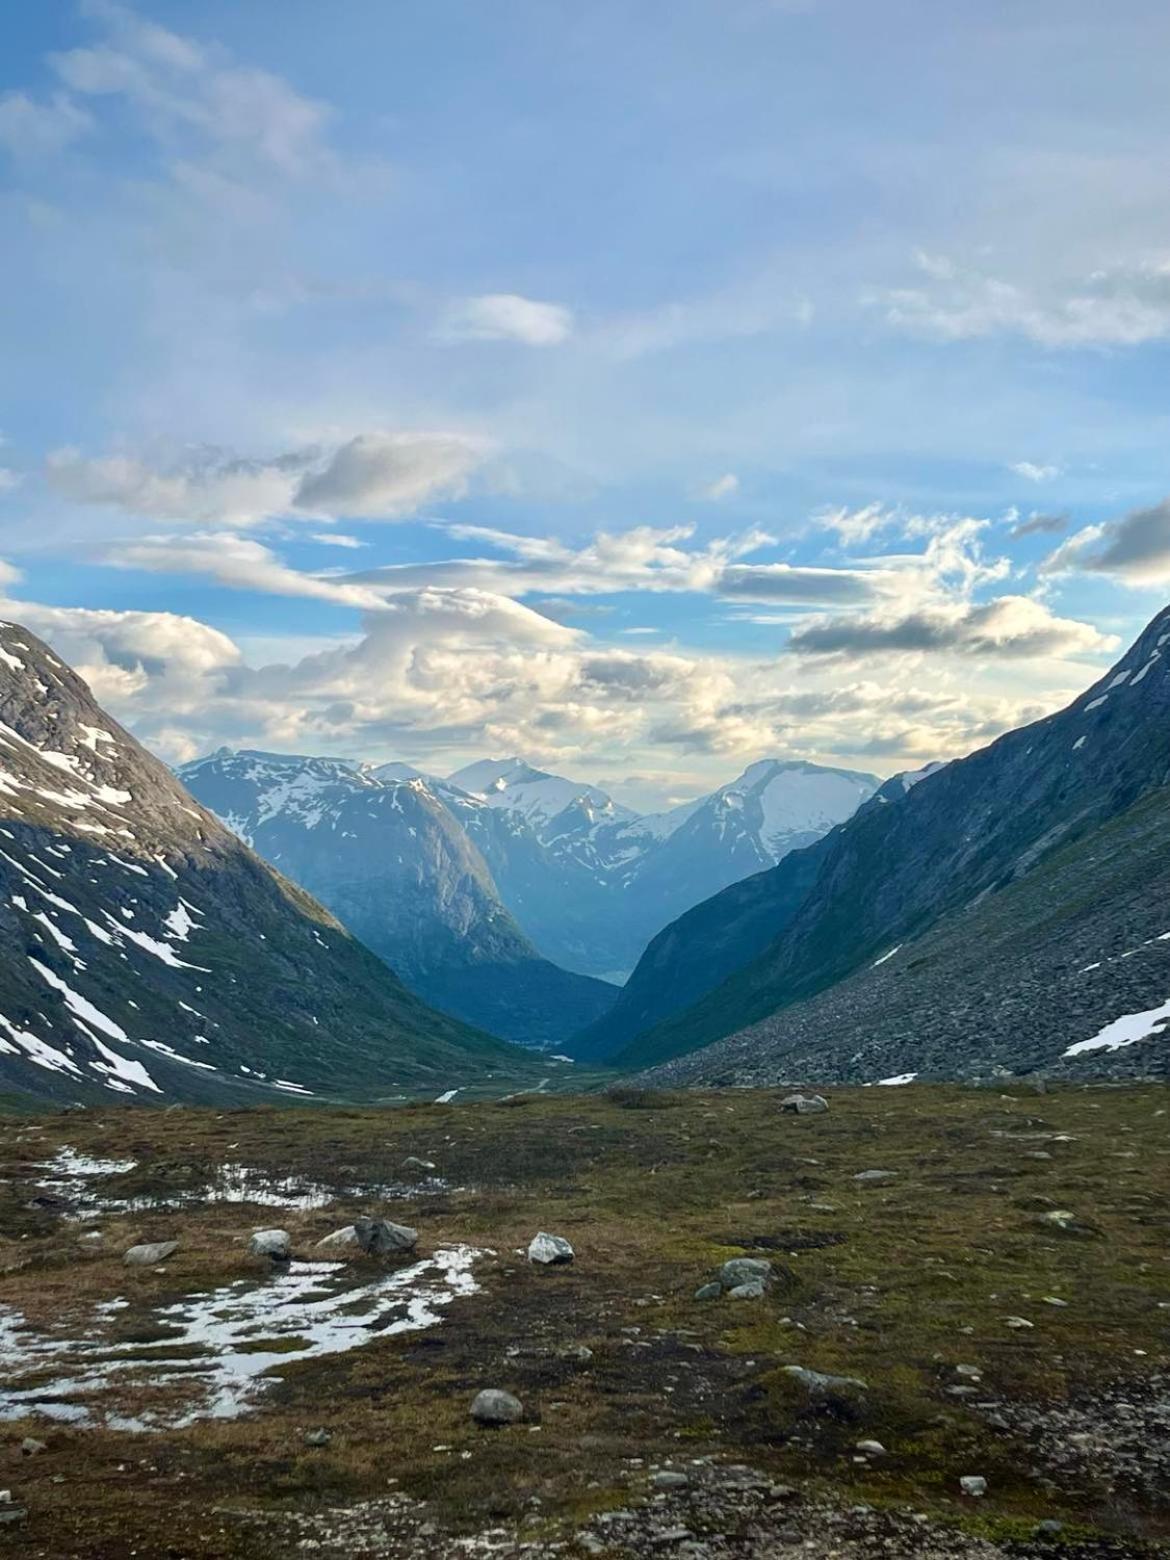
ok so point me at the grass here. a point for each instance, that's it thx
(895, 1282)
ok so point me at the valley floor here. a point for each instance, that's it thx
(999, 1300)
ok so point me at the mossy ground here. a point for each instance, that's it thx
(894, 1282)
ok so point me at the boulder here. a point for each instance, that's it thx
(973, 1484)
(380, 1238)
(493, 1407)
(745, 1270)
(875, 1175)
(805, 1104)
(343, 1237)
(276, 1244)
(150, 1253)
(709, 1291)
(751, 1291)
(413, 1162)
(816, 1381)
(549, 1250)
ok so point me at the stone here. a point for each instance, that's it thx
(30, 1446)
(875, 1175)
(149, 1253)
(276, 1244)
(871, 1448)
(317, 1438)
(669, 1479)
(709, 1291)
(805, 1104)
(745, 1270)
(380, 1238)
(549, 1250)
(1018, 1323)
(413, 1162)
(751, 1291)
(1050, 1528)
(815, 1381)
(342, 1237)
(973, 1484)
(493, 1407)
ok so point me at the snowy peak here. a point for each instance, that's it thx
(534, 794)
(782, 804)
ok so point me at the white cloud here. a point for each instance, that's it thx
(237, 562)
(1033, 472)
(1009, 626)
(9, 479)
(507, 317)
(384, 475)
(31, 130)
(380, 475)
(726, 486)
(1122, 305)
(336, 539)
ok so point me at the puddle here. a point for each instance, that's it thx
(70, 1176)
(218, 1346)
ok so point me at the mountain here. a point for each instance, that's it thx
(591, 882)
(149, 954)
(395, 863)
(894, 884)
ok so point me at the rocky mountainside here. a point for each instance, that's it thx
(389, 853)
(147, 953)
(591, 882)
(965, 833)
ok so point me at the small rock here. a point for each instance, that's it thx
(380, 1238)
(148, 1254)
(276, 1244)
(973, 1484)
(805, 1104)
(751, 1291)
(709, 1291)
(317, 1438)
(549, 1250)
(871, 1448)
(493, 1407)
(815, 1381)
(1018, 1323)
(875, 1175)
(669, 1479)
(745, 1270)
(783, 1492)
(30, 1446)
(413, 1162)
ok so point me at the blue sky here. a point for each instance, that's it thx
(643, 388)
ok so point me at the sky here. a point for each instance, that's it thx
(640, 388)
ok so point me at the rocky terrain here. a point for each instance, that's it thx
(888, 891)
(145, 952)
(925, 1321)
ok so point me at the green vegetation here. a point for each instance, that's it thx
(896, 1282)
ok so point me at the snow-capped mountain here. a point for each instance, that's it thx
(537, 796)
(146, 953)
(395, 861)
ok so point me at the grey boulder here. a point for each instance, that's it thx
(805, 1104)
(276, 1244)
(745, 1270)
(493, 1407)
(549, 1250)
(149, 1253)
(380, 1238)
(817, 1382)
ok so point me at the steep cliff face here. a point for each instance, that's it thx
(146, 952)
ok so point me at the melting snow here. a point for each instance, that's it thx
(886, 956)
(896, 1081)
(1126, 1030)
(312, 1306)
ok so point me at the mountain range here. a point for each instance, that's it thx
(1006, 910)
(492, 892)
(146, 953)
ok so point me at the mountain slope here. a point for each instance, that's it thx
(591, 882)
(396, 865)
(145, 951)
(695, 953)
(968, 829)
(1034, 977)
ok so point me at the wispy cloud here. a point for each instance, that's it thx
(507, 317)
